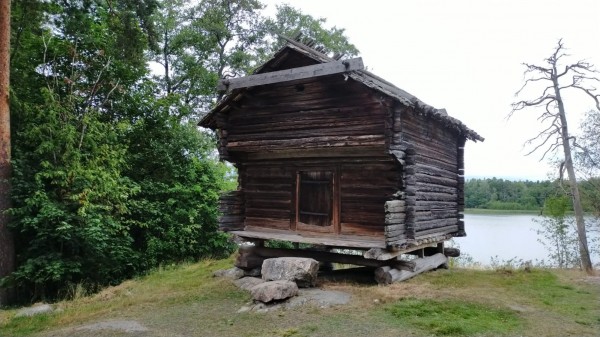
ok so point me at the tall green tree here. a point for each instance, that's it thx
(73, 63)
(201, 43)
(291, 22)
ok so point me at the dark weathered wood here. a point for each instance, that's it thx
(231, 205)
(398, 165)
(436, 231)
(448, 251)
(287, 75)
(332, 240)
(322, 256)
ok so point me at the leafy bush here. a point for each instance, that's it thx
(174, 215)
(69, 200)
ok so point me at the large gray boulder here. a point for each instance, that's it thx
(303, 271)
(274, 291)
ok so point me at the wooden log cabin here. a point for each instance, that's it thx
(328, 153)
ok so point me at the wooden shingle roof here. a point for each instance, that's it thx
(362, 76)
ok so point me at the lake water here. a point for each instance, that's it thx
(503, 237)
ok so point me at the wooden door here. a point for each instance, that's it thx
(316, 201)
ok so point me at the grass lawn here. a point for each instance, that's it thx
(187, 301)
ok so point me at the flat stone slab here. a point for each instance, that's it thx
(274, 291)
(306, 297)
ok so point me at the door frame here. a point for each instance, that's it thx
(295, 223)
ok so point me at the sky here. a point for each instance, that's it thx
(466, 57)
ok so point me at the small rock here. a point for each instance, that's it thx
(246, 283)
(274, 290)
(232, 273)
(303, 271)
(244, 309)
(37, 309)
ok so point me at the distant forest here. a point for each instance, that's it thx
(501, 194)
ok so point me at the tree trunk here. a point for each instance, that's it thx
(7, 253)
(586, 262)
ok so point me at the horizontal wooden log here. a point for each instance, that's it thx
(394, 206)
(307, 143)
(435, 188)
(267, 222)
(395, 218)
(431, 196)
(313, 254)
(252, 124)
(322, 130)
(305, 102)
(431, 224)
(438, 231)
(396, 240)
(321, 69)
(393, 228)
(388, 275)
(395, 235)
(362, 229)
(281, 119)
(442, 181)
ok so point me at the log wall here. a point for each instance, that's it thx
(433, 186)
(231, 207)
(317, 113)
(400, 172)
(365, 188)
(365, 185)
(269, 191)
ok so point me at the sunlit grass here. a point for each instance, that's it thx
(186, 300)
(167, 285)
(454, 317)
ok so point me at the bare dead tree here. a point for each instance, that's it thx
(7, 253)
(580, 76)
